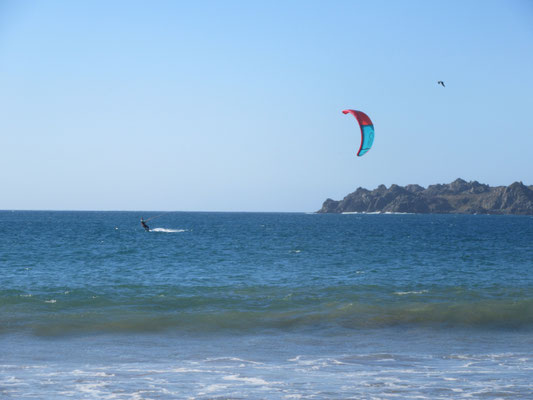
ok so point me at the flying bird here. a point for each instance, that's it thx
(441, 83)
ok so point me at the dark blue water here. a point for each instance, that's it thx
(266, 306)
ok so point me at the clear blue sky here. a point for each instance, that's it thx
(236, 105)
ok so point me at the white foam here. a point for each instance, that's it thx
(337, 362)
(50, 301)
(165, 230)
(102, 374)
(251, 381)
(186, 370)
(235, 359)
(215, 387)
(411, 292)
(374, 212)
(11, 380)
(92, 389)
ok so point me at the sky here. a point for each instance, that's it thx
(236, 105)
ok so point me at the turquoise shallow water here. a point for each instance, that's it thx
(265, 305)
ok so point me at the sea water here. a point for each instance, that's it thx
(265, 306)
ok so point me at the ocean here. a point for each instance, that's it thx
(265, 306)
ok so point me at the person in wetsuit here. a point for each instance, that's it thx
(146, 227)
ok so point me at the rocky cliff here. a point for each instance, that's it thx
(458, 197)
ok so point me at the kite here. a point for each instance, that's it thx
(367, 130)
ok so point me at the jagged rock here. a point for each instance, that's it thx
(458, 186)
(414, 188)
(459, 197)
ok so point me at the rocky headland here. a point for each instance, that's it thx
(458, 197)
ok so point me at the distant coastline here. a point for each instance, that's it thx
(458, 197)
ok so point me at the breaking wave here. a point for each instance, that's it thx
(223, 310)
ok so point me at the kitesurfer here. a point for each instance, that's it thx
(146, 227)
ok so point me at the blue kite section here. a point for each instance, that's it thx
(368, 139)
